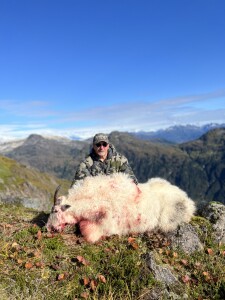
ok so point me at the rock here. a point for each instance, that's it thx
(185, 238)
(215, 213)
(162, 274)
(170, 285)
(159, 293)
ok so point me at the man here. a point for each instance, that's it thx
(103, 159)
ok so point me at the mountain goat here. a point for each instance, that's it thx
(108, 205)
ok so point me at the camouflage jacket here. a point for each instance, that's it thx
(93, 166)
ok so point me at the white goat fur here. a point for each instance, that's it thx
(107, 205)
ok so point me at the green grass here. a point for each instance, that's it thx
(36, 265)
(15, 176)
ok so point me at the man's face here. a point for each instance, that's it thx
(101, 149)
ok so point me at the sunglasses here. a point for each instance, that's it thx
(104, 144)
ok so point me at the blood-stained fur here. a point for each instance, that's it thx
(107, 205)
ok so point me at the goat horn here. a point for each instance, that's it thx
(56, 194)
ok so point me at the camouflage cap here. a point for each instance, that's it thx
(100, 137)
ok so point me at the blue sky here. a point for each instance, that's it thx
(77, 67)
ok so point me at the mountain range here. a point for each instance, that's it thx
(197, 166)
(177, 134)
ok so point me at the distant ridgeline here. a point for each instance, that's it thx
(178, 133)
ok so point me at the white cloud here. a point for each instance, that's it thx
(133, 116)
(27, 109)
